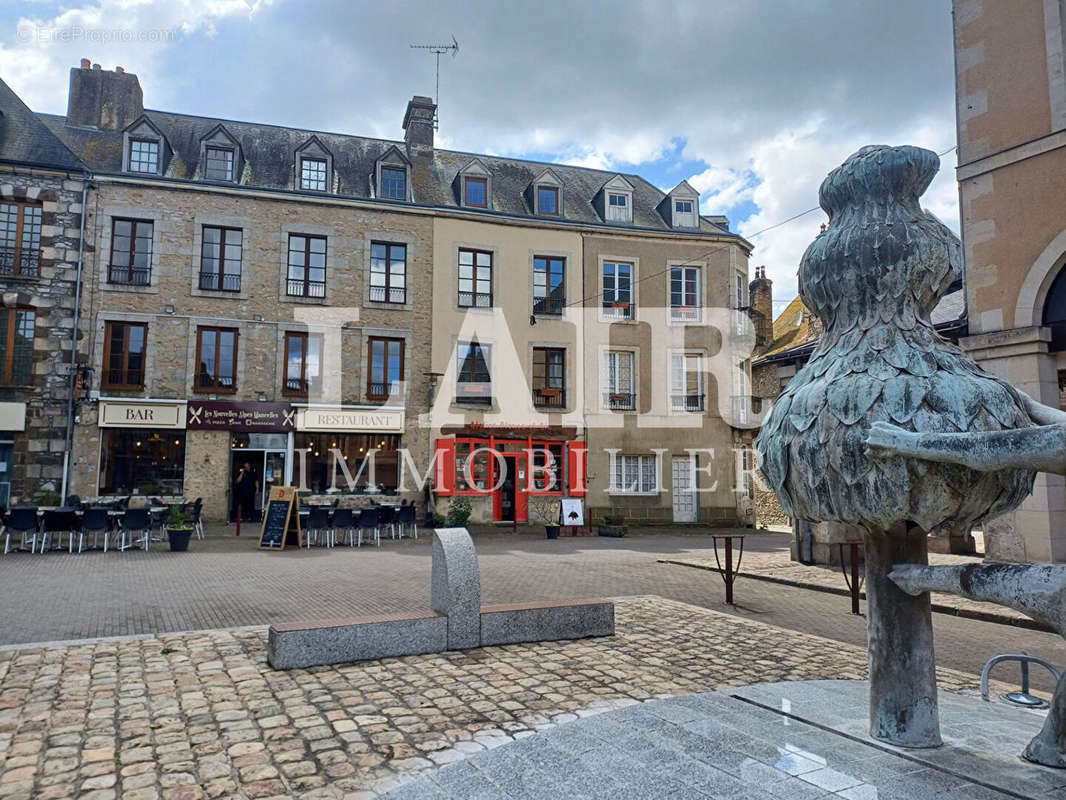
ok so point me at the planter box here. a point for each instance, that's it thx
(614, 531)
(179, 539)
(552, 531)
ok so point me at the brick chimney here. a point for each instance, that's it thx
(418, 123)
(761, 294)
(103, 99)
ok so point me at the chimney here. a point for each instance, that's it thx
(418, 123)
(761, 298)
(103, 99)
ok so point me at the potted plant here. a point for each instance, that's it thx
(179, 528)
(545, 509)
(459, 511)
(611, 527)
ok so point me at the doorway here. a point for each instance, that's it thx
(265, 455)
(510, 500)
(684, 493)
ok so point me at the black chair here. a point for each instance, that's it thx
(58, 522)
(343, 520)
(72, 501)
(317, 523)
(387, 518)
(405, 515)
(96, 521)
(197, 521)
(135, 520)
(369, 520)
(22, 520)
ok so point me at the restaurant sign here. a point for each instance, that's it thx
(141, 414)
(349, 420)
(220, 415)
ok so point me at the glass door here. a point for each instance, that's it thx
(273, 474)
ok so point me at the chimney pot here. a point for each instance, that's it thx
(119, 69)
(103, 99)
(96, 66)
(85, 63)
(418, 123)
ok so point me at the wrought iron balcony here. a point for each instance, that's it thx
(475, 300)
(549, 397)
(382, 294)
(135, 276)
(216, 282)
(686, 402)
(620, 401)
(300, 288)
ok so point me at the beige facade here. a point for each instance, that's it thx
(1011, 96)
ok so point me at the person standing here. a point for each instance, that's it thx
(245, 490)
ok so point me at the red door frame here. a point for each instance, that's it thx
(521, 496)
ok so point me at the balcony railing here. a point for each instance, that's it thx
(618, 311)
(212, 281)
(686, 402)
(381, 390)
(12, 262)
(685, 313)
(744, 407)
(138, 276)
(299, 288)
(477, 392)
(475, 300)
(619, 401)
(382, 294)
(548, 305)
(549, 398)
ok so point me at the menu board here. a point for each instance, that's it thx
(281, 520)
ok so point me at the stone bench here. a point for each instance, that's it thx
(538, 622)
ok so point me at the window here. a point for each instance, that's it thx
(313, 174)
(686, 382)
(124, 346)
(219, 164)
(386, 367)
(683, 206)
(474, 384)
(475, 279)
(20, 238)
(617, 290)
(549, 295)
(547, 200)
(740, 291)
(220, 259)
(475, 192)
(144, 155)
(319, 468)
(685, 294)
(216, 360)
(307, 266)
(635, 474)
(16, 345)
(388, 272)
(303, 364)
(131, 252)
(549, 377)
(619, 393)
(619, 207)
(145, 462)
(394, 183)
(618, 200)
(685, 213)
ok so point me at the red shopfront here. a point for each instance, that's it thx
(511, 465)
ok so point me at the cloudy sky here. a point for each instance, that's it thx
(753, 102)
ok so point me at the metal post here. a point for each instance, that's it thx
(729, 571)
(239, 506)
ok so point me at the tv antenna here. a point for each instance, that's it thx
(438, 50)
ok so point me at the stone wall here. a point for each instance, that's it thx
(768, 510)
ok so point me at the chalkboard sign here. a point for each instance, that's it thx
(281, 520)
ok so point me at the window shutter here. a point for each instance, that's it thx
(577, 465)
(625, 372)
(677, 373)
(445, 480)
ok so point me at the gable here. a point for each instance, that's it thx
(313, 147)
(219, 135)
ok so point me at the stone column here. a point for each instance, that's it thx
(903, 701)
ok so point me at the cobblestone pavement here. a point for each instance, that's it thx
(777, 566)
(187, 716)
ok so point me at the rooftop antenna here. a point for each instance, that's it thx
(437, 50)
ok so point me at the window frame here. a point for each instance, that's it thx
(306, 280)
(231, 152)
(542, 394)
(467, 180)
(555, 191)
(10, 327)
(381, 181)
(678, 312)
(145, 140)
(217, 330)
(306, 387)
(325, 173)
(19, 251)
(105, 372)
(388, 287)
(222, 274)
(680, 401)
(609, 392)
(620, 488)
(131, 267)
(627, 307)
(475, 281)
(387, 379)
(479, 397)
(547, 309)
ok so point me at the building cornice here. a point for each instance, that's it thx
(1012, 155)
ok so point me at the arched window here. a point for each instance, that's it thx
(1055, 312)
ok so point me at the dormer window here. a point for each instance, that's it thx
(547, 200)
(684, 214)
(616, 200)
(144, 156)
(313, 174)
(547, 194)
(475, 192)
(394, 183)
(681, 207)
(219, 164)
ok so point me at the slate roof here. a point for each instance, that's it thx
(268, 153)
(25, 140)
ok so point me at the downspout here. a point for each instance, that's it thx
(86, 180)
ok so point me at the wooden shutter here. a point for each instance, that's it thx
(577, 465)
(444, 456)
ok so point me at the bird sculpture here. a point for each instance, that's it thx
(873, 277)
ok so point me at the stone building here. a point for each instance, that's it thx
(42, 188)
(1011, 113)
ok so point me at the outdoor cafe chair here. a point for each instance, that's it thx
(369, 521)
(61, 521)
(387, 518)
(343, 520)
(317, 524)
(197, 521)
(135, 521)
(96, 521)
(23, 521)
(406, 515)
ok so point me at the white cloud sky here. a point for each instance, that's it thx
(752, 102)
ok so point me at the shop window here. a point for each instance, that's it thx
(216, 359)
(474, 383)
(20, 238)
(475, 279)
(617, 290)
(547, 474)
(388, 272)
(16, 345)
(386, 367)
(303, 364)
(131, 252)
(145, 462)
(220, 259)
(307, 266)
(549, 377)
(316, 462)
(124, 349)
(473, 466)
(549, 291)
